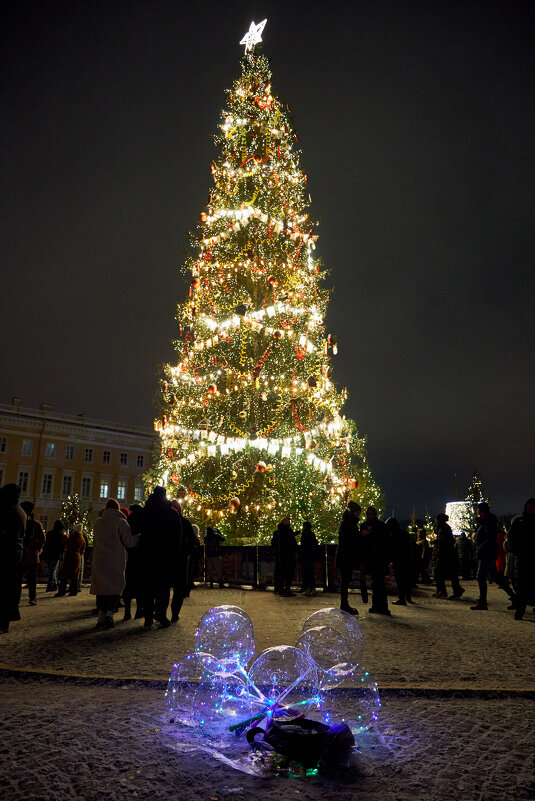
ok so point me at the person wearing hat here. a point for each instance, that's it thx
(34, 541)
(111, 536)
(69, 570)
(486, 543)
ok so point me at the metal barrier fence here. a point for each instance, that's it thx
(253, 566)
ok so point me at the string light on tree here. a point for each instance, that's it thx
(250, 420)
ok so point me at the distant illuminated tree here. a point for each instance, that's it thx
(249, 419)
(71, 513)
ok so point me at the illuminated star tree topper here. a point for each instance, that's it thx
(253, 35)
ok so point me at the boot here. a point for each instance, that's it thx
(480, 605)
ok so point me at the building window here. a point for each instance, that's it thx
(27, 447)
(140, 461)
(88, 455)
(3, 443)
(50, 450)
(121, 489)
(43, 519)
(86, 487)
(66, 487)
(106, 457)
(138, 491)
(104, 488)
(69, 452)
(124, 459)
(24, 481)
(46, 484)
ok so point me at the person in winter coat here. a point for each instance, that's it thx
(69, 569)
(111, 537)
(34, 541)
(180, 578)
(423, 557)
(445, 563)
(12, 528)
(377, 547)
(160, 551)
(214, 566)
(400, 541)
(486, 553)
(465, 555)
(348, 553)
(134, 569)
(307, 556)
(284, 547)
(53, 551)
(193, 561)
(521, 543)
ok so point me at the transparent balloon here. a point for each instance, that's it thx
(221, 702)
(183, 683)
(285, 681)
(346, 626)
(229, 637)
(354, 700)
(328, 648)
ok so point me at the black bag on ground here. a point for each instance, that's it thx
(306, 741)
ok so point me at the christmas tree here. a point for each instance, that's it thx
(71, 514)
(475, 495)
(249, 418)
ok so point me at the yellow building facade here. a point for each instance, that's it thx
(52, 455)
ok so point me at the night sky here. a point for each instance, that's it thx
(417, 128)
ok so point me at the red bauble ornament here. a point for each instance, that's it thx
(204, 217)
(235, 503)
(165, 386)
(277, 334)
(195, 283)
(272, 280)
(212, 388)
(174, 478)
(261, 467)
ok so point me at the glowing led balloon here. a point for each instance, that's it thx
(219, 702)
(183, 682)
(229, 637)
(328, 648)
(345, 624)
(355, 700)
(287, 678)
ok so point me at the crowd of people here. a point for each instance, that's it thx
(145, 553)
(372, 546)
